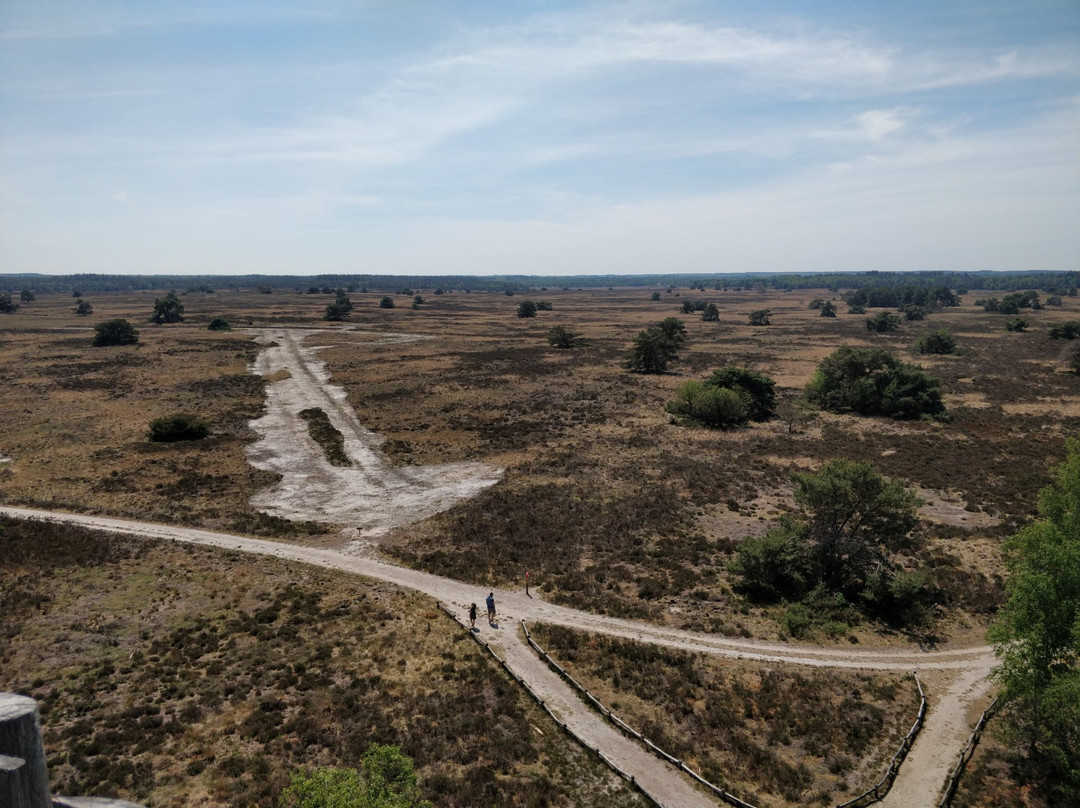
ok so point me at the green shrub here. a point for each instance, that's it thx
(386, 303)
(562, 337)
(177, 427)
(938, 342)
(219, 324)
(759, 387)
(871, 381)
(760, 317)
(115, 332)
(1069, 330)
(1016, 324)
(526, 308)
(883, 322)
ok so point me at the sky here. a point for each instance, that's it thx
(544, 138)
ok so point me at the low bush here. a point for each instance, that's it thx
(177, 427)
(938, 342)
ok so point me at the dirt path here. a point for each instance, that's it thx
(376, 496)
(961, 671)
(372, 494)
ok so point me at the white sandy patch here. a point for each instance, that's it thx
(372, 494)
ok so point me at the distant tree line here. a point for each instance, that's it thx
(882, 284)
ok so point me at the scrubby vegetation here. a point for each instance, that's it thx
(729, 397)
(114, 332)
(871, 381)
(178, 676)
(327, 435)
(775, 736)
(178, 426)
(941, 341)
(657, 346)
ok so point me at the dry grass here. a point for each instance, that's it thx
(777, 735)
(185, 677)
(605, 502)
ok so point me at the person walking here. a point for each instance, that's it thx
(472, 616)
(491, 608)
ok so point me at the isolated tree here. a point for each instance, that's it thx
(168, 309)
(817, 303)
(336, 312)
(562, 337)
(655, 296)
(27, 296)
(219, 324)
(76, 293)
(115, 332)
(710, 405)
(883, 322)
(417, 301)
(937, 342)
(687, 307)
(828, 309)
(653, 349)
(543, 305)
(850, 522)
(760, 317)
(1036, 637)
(386, 303)
(83, 308)
(710, 313)
(856, 308)
(913, 313)
(871, 381)
(7, 306)
(526, 308)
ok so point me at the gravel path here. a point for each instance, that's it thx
(921, 777)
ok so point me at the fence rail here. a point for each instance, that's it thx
(965, 755)
(726, 796)
(558, 721)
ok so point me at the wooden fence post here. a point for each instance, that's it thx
(25, 784)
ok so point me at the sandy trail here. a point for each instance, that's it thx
(921, 777)
(376, 497)
(371, 494)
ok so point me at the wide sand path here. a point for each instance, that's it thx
(963, 670)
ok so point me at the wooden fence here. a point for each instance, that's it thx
(969, 749)
(562, 724)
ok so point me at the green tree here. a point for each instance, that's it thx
(7, 306)
(168, 309)
(759, 388)
(710, 405)
(386, 779)
(653, 349)
(83, 308)
(219, 324)
(115, 332)
(856, 308)
(710, 313)
(1036, 637)
(562, 337)
(655, 296)
(543, 305)
(828, 309)
(526, 308)
(871, 381)
(27, 296)
(937, 342)
(386, 303)
(883, 322)
(760, 317)
(674, 329)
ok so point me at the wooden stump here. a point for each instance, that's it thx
(23, 778)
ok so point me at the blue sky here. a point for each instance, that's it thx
(143, 136)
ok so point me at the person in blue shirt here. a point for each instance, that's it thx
(491, 607)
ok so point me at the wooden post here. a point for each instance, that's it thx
(20, 738)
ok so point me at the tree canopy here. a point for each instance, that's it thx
(1036, 636)
(115, 332)
(168, 309)
(386, 779)
(871, 381)
(656, 346)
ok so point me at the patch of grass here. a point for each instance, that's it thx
(327, 435)
(232, 671)
(781, 730)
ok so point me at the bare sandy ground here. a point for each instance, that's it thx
(371, 494)
(376, 497)
(959, 675)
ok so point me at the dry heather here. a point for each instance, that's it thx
(184, 677)
(775, 735)
(606, 502)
